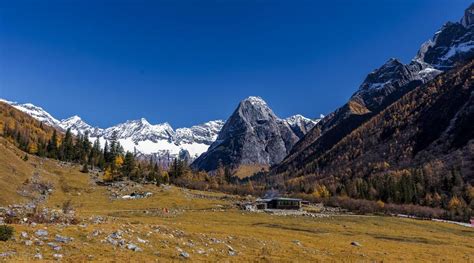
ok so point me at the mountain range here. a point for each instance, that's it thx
(160, 140)
(452, 45)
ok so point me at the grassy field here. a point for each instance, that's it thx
(208, 227)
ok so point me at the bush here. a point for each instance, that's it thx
(6, 232)
(67, 206)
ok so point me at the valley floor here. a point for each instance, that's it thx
(178, 224)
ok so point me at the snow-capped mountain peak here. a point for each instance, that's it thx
(36, 112)
(77, 125)
(453, 43)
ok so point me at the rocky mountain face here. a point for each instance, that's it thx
(429, 128)
(253, 135)
(453, 44)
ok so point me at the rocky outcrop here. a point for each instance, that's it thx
(253, 135)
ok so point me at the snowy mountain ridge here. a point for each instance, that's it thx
(140, 136)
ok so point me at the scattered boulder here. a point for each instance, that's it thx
(24, 235)
(58, 256)
(356, 244)
(62, 239)
(41, 233)
(184, 254)
(133, 247)
(54, 246)
(38, 256)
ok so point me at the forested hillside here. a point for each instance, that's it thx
(420, 150)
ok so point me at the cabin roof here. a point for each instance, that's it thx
(278, 198)
(286, 199)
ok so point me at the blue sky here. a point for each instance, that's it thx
(187, 62)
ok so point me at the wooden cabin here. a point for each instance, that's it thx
(284, 203)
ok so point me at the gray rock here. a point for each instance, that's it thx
(24, 235)
(28, 243)
(38, 256)
(63, 239)
(54, 246)
(7, 254)
(39, 243)
(356, 244)
(184, 254)
(112, 241)
(133, 247)
(41, 233)
(58, 256)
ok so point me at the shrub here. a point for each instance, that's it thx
(6, 232)
(67, 206)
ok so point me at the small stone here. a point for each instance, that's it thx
(142, 240)
(230, 248)
(356, 244)
(112, 241)
(58, 256)
(24, 235)
(6, 254)
(297, 242)
(28, 243)
(38, 256)
(96, 233)
(39, 243)
(62, 239)
(232, 253)
(134, 247)
(41, 233)
(184, 254)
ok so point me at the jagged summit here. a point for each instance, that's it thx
(451, 45)
(468, 19)
(253, 136)
(77, 125)
(160, 140)
(255, 100)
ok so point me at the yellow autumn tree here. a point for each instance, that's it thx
(108, 177)
(454, 203)
(321, 191)
(118, 161)
(380, 204)
(32, 148)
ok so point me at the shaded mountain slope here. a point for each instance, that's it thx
(452, 45)
(431, 124)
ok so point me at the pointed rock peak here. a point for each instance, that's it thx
(74, 118)
(468, 18)
(392, 62)
(141, 121)
(164, 124)
(295, 118)
(144, 121)
(254, 100)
